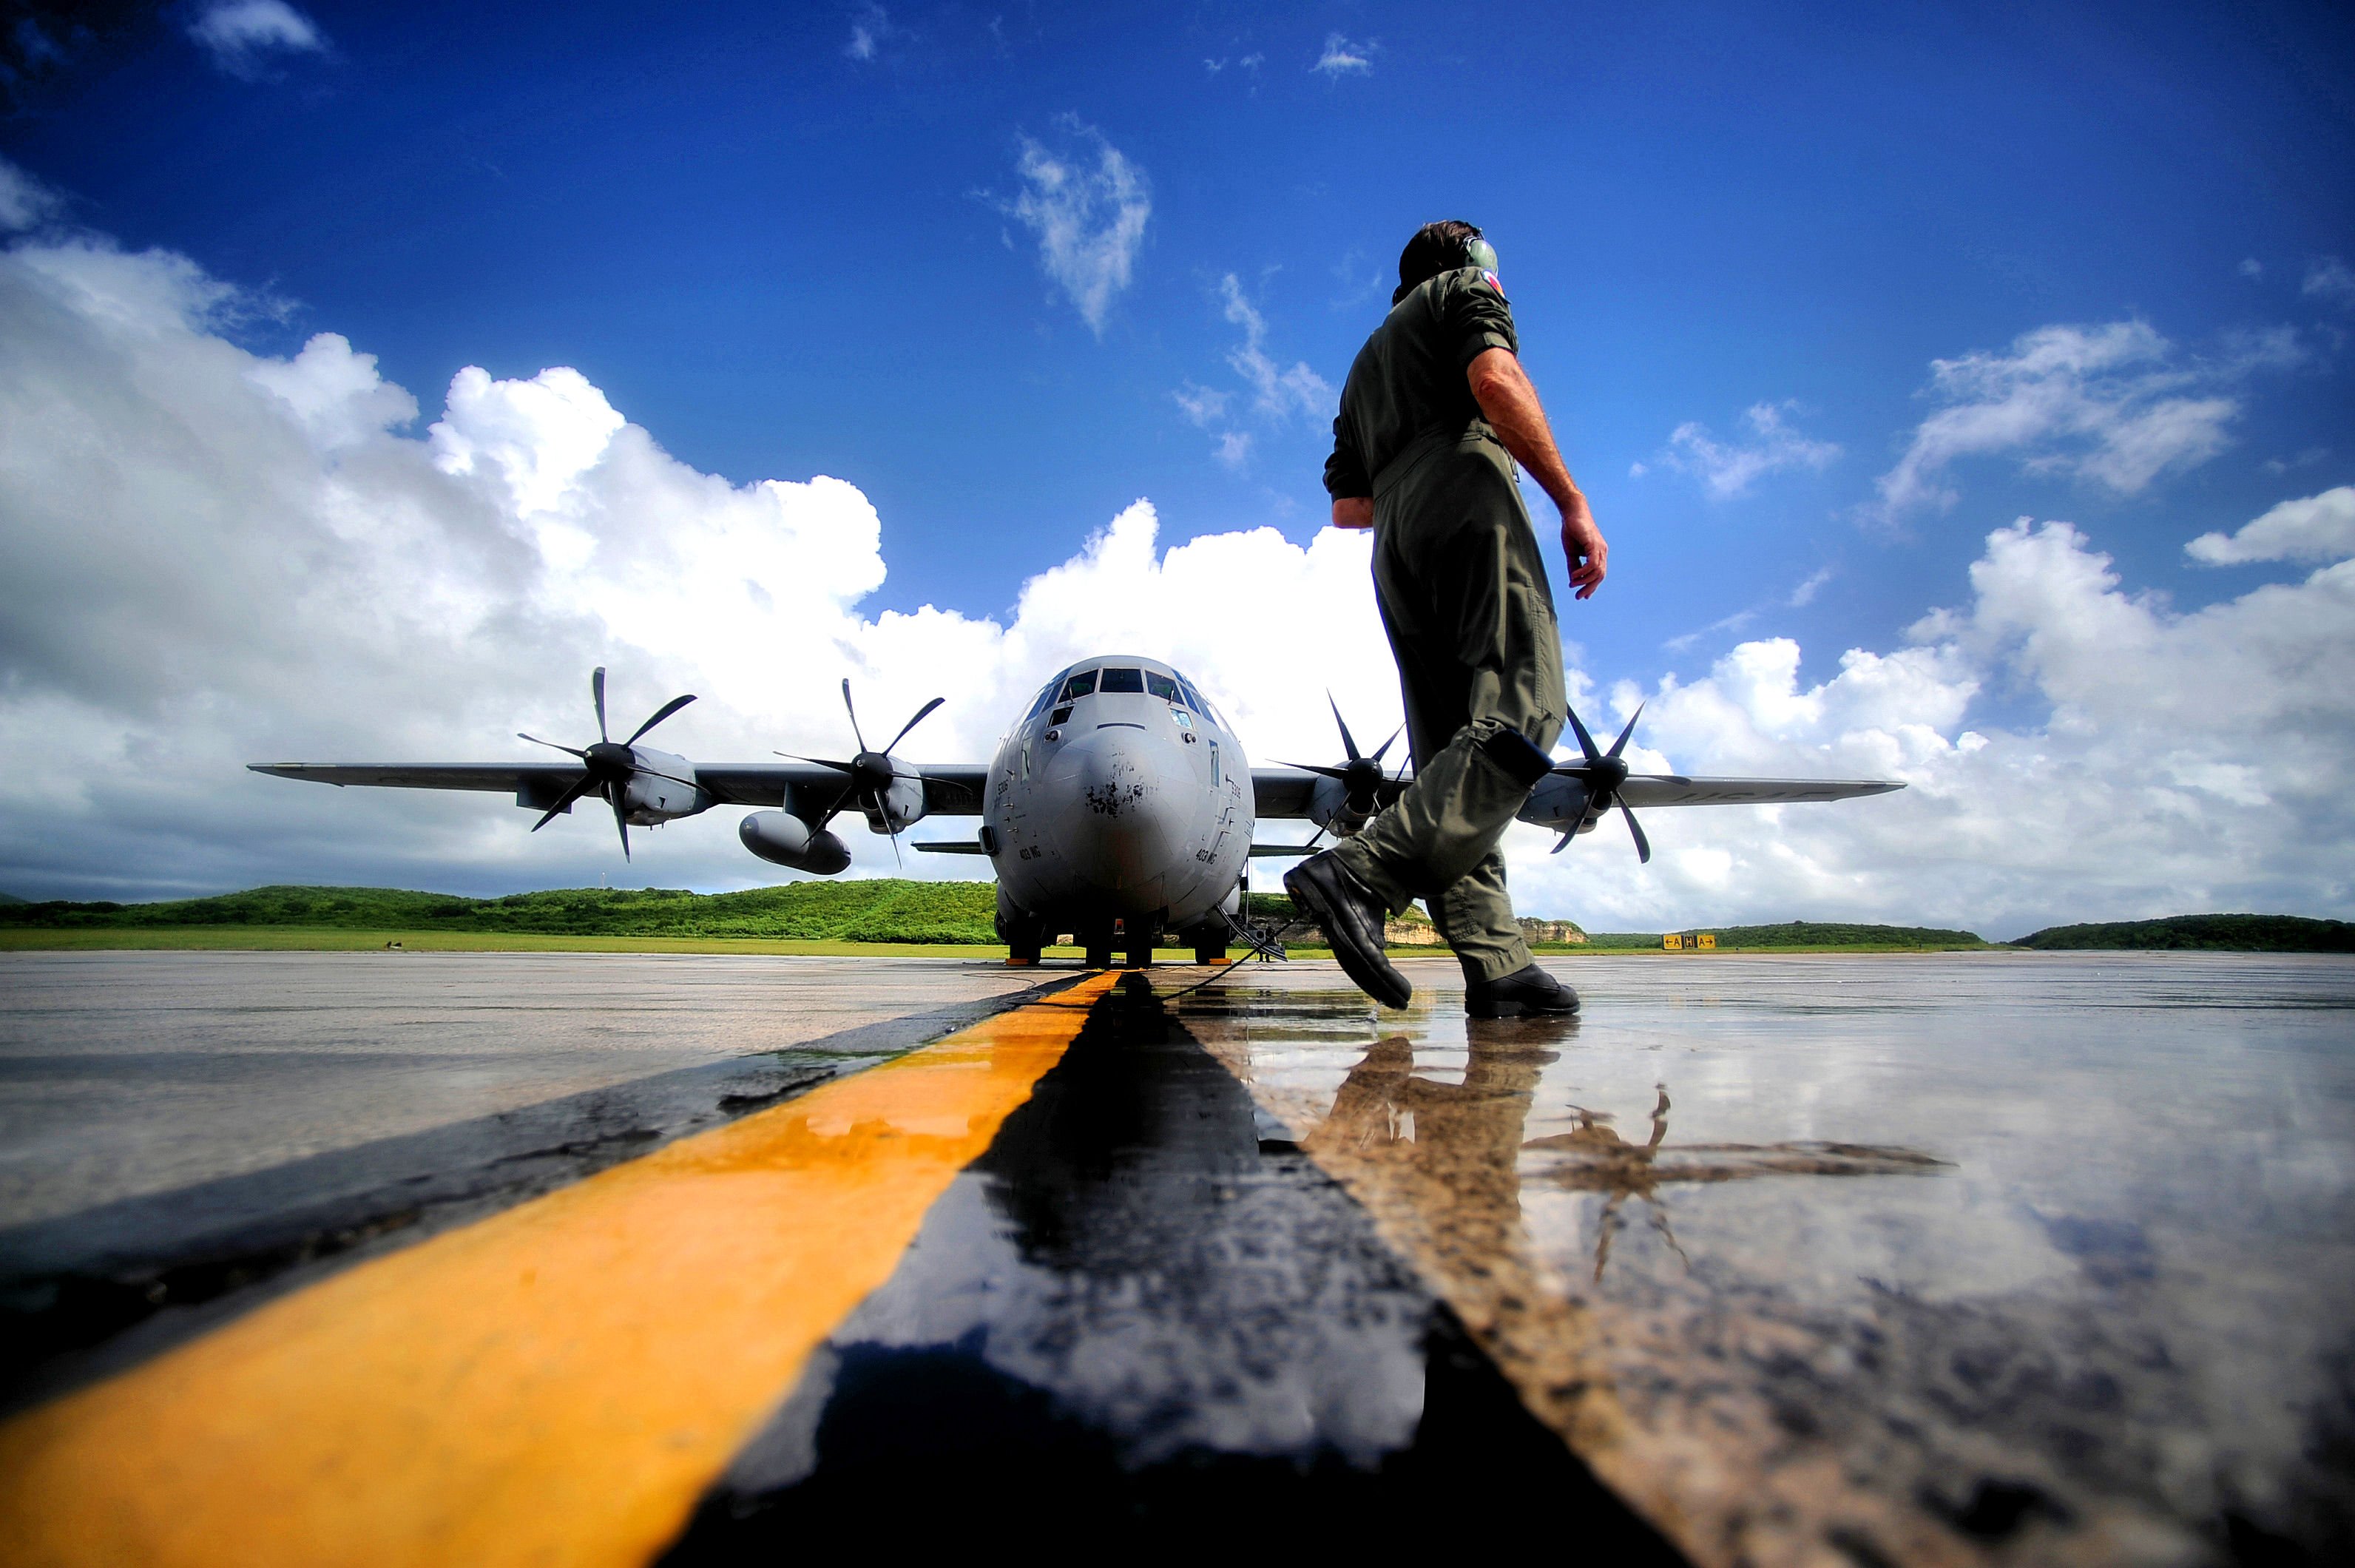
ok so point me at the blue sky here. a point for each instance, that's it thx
(1739, 240)
(784, 259)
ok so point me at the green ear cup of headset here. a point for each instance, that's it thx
(1478, 252)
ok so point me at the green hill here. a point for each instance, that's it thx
(1808, 934)
(2203, 934)
(881, 911)
(892, 910)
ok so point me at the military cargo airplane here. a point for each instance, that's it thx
(1119, 808)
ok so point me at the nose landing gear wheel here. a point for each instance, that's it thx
(1211, 953)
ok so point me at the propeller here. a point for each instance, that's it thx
(870, 773)
(1605, 773)
(608, 767)
(1361, 777)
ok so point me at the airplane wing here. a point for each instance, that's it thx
(955, 790)
(1676, 789)
(496, 777)
(1279, 792)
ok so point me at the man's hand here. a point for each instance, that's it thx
(1353, 511)
(1581, 544)
(1510, 406)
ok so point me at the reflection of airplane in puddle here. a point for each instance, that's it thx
(1593, 1158)
(1457, 1147)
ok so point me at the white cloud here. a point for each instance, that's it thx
(1727, 469)
(869, 30)
(2189, 763)
(2330, 280)
(2116, 405)
(215, 557)
(1804, 593)
(2316, 528)
(25, 202)
(1275, 392)
(2251, 268)
(241, 35)
(1088, 207)
(1341, 57)
(1204, 406)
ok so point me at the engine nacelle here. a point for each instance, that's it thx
(783, 839)
(1559, 803)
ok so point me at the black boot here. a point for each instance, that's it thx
(1527, 992)
(1351, 918)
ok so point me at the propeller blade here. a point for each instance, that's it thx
(1386, 745)
(1315, 768)
(1643, 845)
(664, 711)
(1585, 740)
(621, 822)
(597, 693)
(1567, 835)
(1618, 745)
(895, 848)
(572, 792)
(821, 762)
(1347, 744)
(854, 714)
(551, 745)
(922, 714)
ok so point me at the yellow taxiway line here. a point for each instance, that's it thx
(556, 1384)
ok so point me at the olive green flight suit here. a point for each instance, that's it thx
(1470, 614)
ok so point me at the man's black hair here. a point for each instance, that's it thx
(1436, 248)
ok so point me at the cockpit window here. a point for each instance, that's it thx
(1079, 685)
(1122, 680)
(1161, 686)
(1046, 695)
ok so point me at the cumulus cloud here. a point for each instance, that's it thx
(242, 35)
(2116, 405)
(1341, 57)
(1087, 205)
(2331, 281)
(214, 557)
(25, 202)
(1727, 469)
(2189, 762)
(2316, 528)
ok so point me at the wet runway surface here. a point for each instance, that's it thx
(2010, 1259)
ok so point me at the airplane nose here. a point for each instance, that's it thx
(1131, 804)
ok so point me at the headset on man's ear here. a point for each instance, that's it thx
(1478, 252)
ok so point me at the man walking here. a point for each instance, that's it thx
(1435, 411)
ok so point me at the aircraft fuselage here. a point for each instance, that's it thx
(1121, 795)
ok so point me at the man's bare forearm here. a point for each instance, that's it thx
(1509, 404)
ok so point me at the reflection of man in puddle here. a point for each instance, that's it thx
(1438, 1164)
